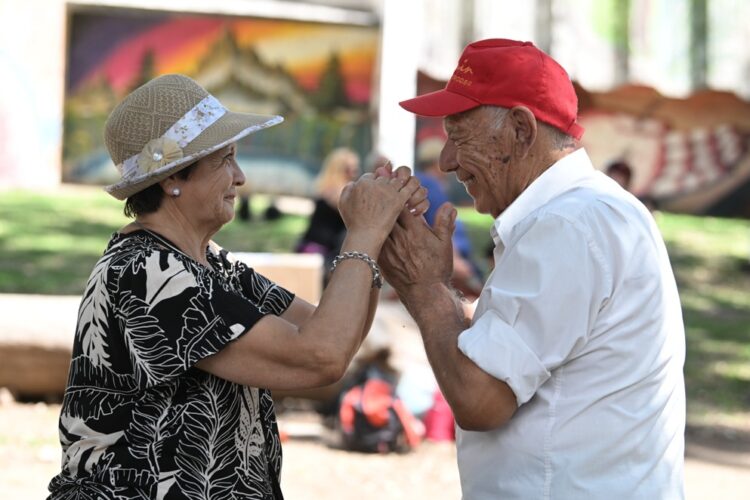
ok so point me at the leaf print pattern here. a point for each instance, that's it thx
(85, 451)
(95, 391)
(92, 317)
(197, 330)
(206, 453)
(152, 424)
(138, 419)
(151, 354)
(162, 284)
(249, 438)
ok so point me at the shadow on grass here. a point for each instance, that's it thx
(718, 445)
(713, 290)
(62, 256)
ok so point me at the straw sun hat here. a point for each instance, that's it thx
(167, 124)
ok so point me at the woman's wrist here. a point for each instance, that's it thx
(363, 241)
(377, 276)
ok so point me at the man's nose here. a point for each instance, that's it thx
(448, 162)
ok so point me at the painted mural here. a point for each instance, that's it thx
(318, 76)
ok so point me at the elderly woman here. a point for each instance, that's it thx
(177, 343)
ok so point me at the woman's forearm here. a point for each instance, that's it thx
(348, 304)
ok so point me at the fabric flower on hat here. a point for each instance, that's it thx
(157, 153)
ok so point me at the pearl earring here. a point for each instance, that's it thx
(176, 192)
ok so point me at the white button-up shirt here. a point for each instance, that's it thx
(581, 318)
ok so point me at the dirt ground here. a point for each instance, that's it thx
(717, 463)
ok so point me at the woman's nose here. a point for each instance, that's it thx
(239, 175)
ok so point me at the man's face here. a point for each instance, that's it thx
(479, 154)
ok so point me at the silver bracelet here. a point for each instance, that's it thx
(377, 278)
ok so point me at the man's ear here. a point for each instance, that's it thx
(524, 127)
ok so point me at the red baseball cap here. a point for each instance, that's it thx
(505, 73)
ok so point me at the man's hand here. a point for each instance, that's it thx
(415, 254)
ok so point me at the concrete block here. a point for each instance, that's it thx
(300, 273)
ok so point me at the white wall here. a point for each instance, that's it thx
(32, 47)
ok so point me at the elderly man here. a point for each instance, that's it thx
(567, 382)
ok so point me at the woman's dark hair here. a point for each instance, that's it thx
(149, 200)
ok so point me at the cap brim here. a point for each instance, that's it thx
(228, 129)
(439, 103)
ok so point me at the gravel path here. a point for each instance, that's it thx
(30, 454)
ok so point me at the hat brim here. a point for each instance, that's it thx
(226, 130)
(439, 103)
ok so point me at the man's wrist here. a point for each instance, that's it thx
(426, 297)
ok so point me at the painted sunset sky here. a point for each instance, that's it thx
(113, 46)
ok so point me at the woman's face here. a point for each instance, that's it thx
(208, 195)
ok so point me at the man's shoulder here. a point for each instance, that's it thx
(592, 200)
(593, 212)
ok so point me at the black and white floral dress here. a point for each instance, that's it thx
(138, 419)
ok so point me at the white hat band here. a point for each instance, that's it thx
(183, 132)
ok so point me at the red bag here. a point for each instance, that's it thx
(373, 419)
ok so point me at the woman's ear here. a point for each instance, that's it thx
(170, 186)
(524, 128)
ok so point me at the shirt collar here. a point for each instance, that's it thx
(564, 174)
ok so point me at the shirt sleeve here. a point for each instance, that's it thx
(265, 294)
(172, 313)
(539, 306)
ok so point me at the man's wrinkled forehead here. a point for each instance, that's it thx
(460, 122)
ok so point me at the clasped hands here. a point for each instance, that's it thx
(415, 254)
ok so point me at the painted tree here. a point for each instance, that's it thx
(331, 93)
(698, 43)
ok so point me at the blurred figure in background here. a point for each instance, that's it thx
(621, 173)
(325, 230)
(375, 159)
(244, 207)
(466, 277)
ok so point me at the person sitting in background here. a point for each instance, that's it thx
(466, 277)
(325, 229)
(621, 172)
(178, 344)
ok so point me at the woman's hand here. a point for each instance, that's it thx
(372, 204)
(418, 204)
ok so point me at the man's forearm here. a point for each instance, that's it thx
(478, 400)
(439, 315)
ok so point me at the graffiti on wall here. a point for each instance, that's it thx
(318, 76)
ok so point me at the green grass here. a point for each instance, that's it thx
(49, 244)
(710, 258)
